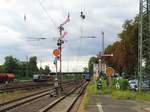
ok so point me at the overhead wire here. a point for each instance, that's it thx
(83, 26)
(81, 32)
(46, 12)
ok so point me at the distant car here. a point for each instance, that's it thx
(133, 85)
(42, 78)
(145, 85)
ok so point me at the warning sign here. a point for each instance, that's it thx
(109, 71)
(56, 52)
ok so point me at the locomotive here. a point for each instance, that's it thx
(42, 78)
(6, 77)
(87, 76)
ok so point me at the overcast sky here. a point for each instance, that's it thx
(106, 15)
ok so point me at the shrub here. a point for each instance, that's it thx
(124, 84)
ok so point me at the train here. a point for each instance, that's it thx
(7, 77)
(42, 78)
(87, 76)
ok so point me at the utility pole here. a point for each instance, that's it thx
(60, 59)
(102, 52)
(143, 39)
(103, 43)
(59, 44)
(27, 67)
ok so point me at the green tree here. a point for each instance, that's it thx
(126, 50)
(11, 65)
(2, 69)
(85, 69)
(47, 69)
(32, 66)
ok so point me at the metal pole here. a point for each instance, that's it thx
(60, 70)
(27, 68)
(102, 42)
(148, 2)
(102, 61)
(61, 66)
(140, 41)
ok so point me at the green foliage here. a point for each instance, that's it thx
(126, 50)
(10, 65)
(119, 94)
(85, 69)
(23, 70)
(130, 95)
(91, 90)
(122, 82)
(46, 70)
(73, 77)
(32, 66)
(124, 93)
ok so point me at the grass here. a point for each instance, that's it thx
(10, 96)
(127, 94)
(115, 93)
(91, 89)
(123, 94)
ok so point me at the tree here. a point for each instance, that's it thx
(2, 69)
(47, 70)
(10, 65)
(126, 50)
(85, 69)
(32, 65)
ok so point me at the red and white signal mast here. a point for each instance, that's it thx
(58, 51)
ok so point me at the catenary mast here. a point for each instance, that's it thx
(144, 40)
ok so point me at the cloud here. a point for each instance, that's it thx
(100, 15)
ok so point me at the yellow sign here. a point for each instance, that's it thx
(56, 52)
(109, 71)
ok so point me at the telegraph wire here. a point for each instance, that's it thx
(51, 19)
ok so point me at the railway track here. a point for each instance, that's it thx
(65, 103)
(25, 86)
(20, 101)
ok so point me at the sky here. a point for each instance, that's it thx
(21, 20)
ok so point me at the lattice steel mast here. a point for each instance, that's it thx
(144, 39)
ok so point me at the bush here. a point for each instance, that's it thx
(119, 94)
(124, 84)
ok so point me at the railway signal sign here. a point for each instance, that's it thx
(100, 55)
(109, 71)
(107, 55)
(56, 52)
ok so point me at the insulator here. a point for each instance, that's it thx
(58, 44)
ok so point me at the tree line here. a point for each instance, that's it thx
(22, 68)
(125, 50)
